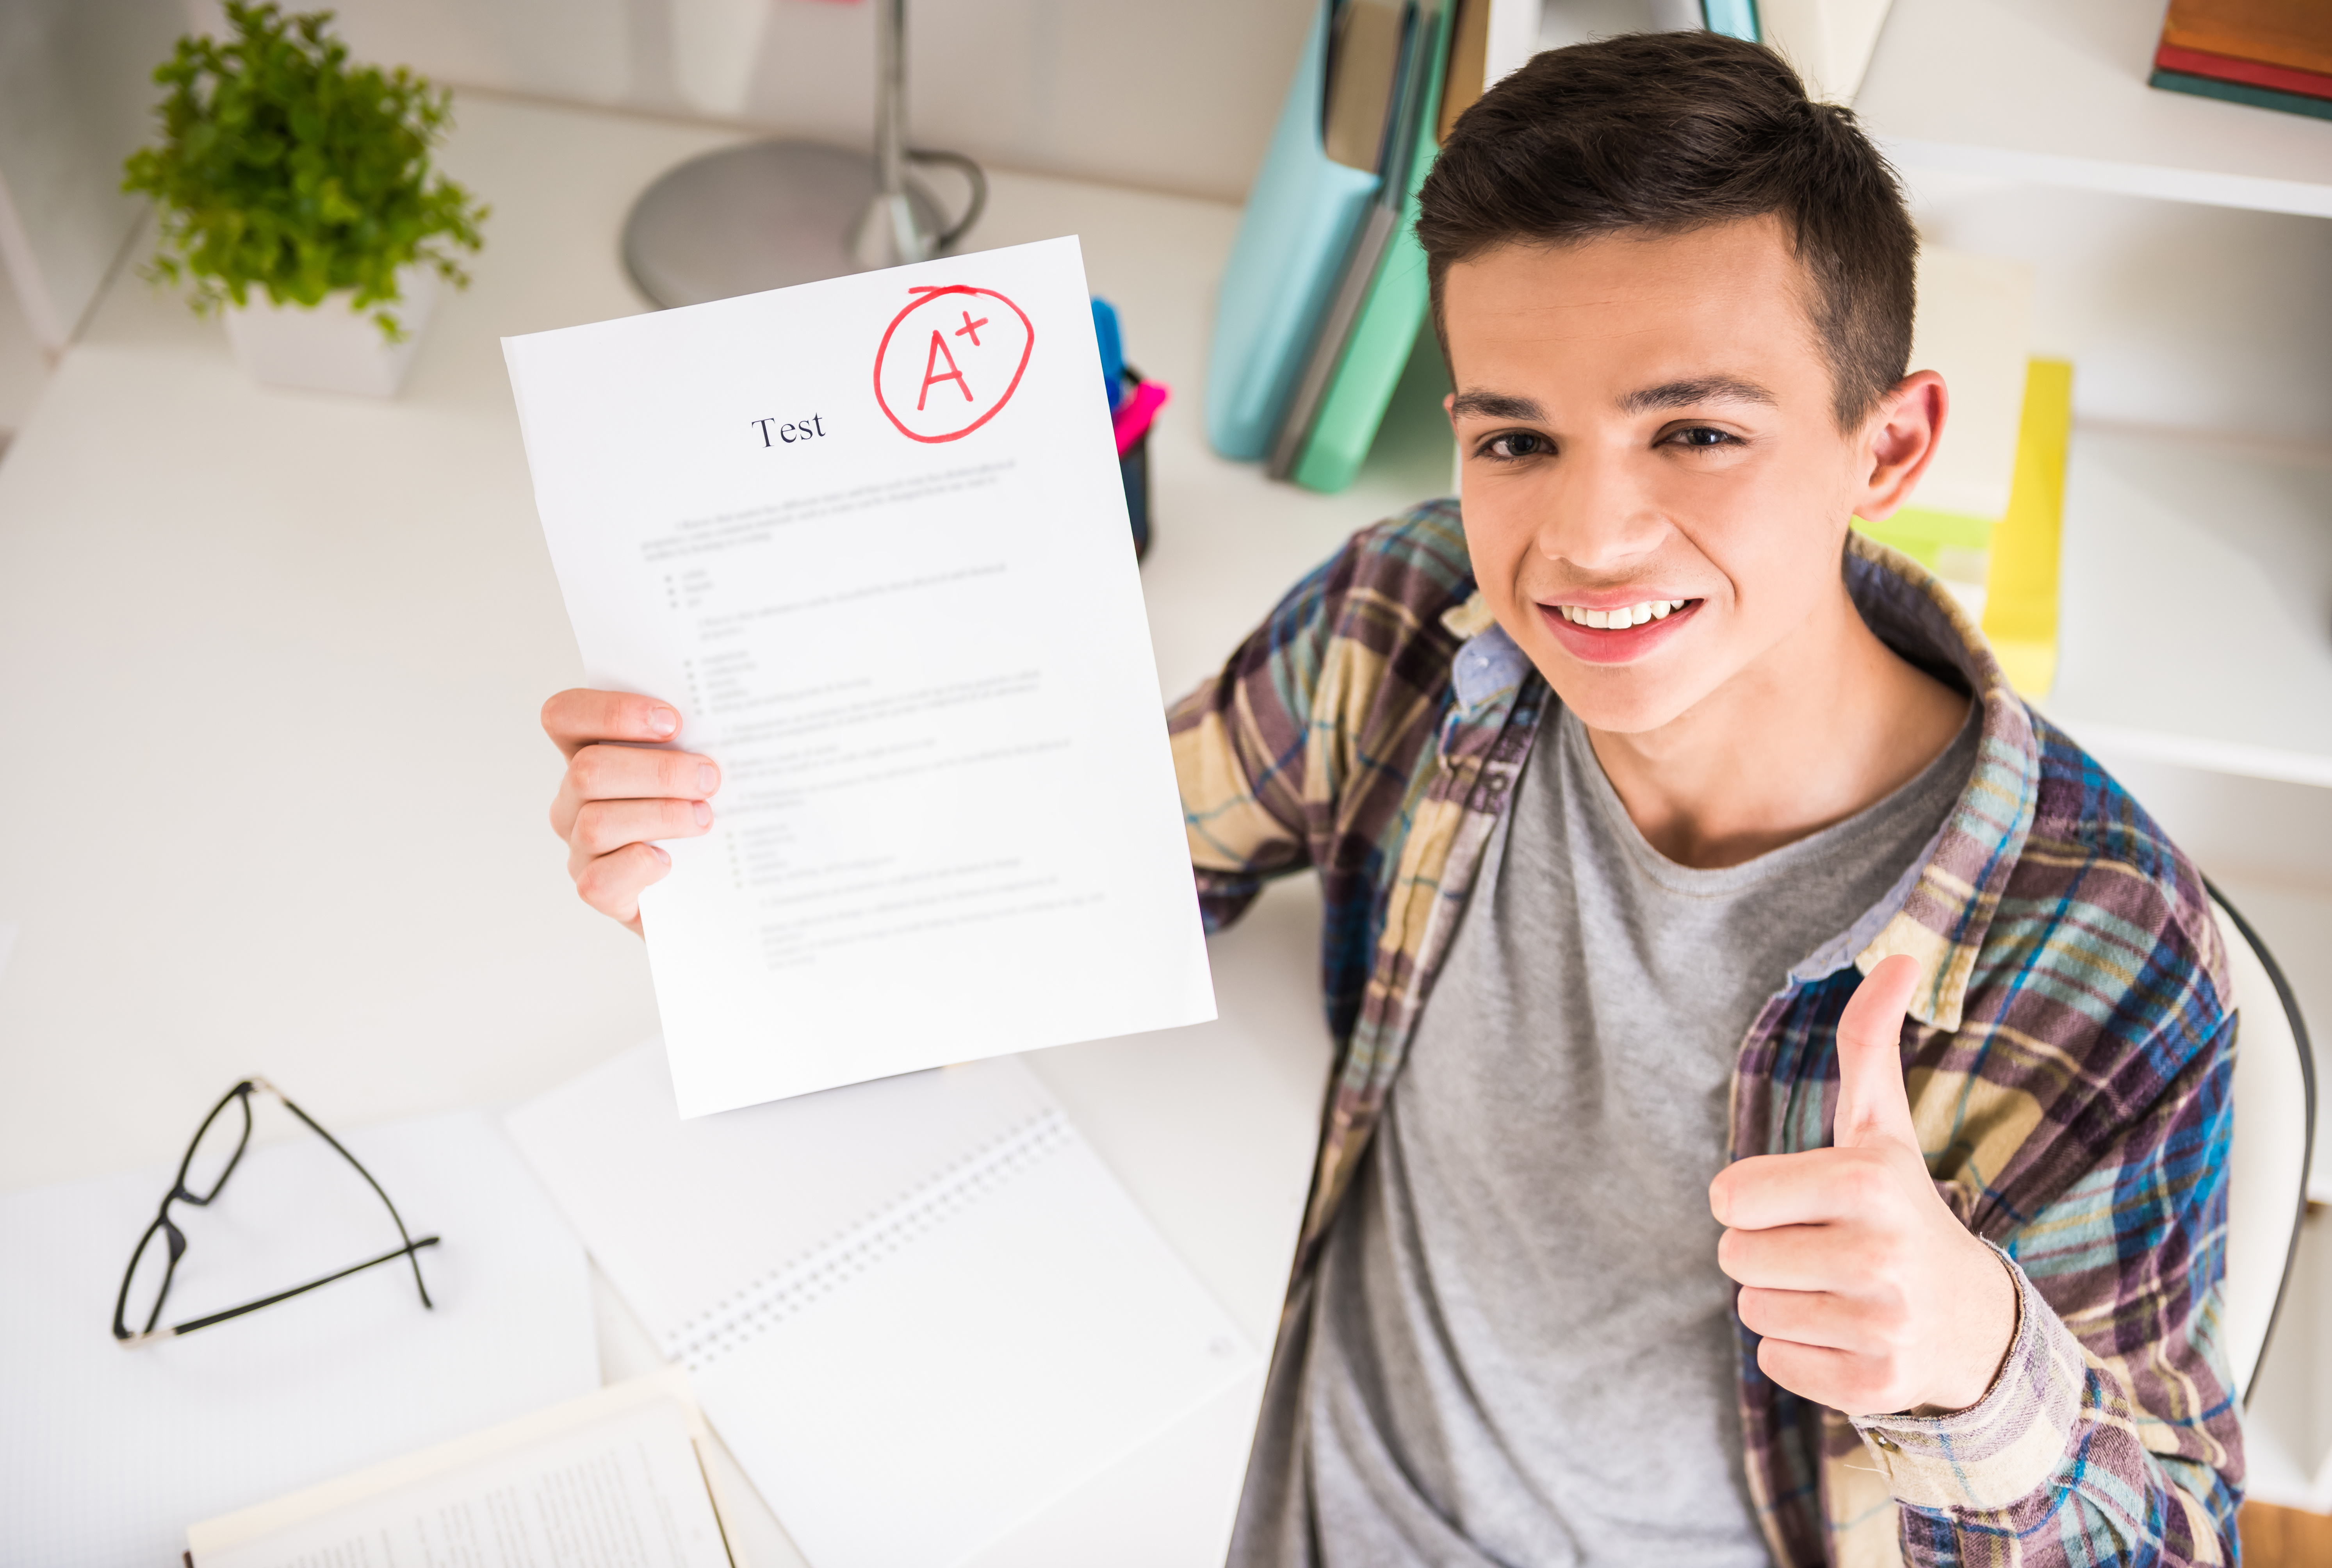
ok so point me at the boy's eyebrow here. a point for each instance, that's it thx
(1683, 394)
(1495, 405)
(1478, 405)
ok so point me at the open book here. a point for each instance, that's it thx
(613, 1477)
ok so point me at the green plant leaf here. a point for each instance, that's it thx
(280, 168)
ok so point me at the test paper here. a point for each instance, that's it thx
(869, 537)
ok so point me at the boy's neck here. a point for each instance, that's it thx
(1827, 723)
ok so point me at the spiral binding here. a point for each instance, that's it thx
(756, 1308)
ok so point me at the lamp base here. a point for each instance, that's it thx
(764, 216)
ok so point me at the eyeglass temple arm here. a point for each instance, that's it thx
(411, 1248)
(176, 1329)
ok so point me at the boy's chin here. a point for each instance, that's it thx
(1626, 701)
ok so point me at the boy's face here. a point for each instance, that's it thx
(1648, 420)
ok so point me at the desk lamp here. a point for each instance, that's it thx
(771, 213)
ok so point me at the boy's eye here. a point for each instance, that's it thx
(1516, 444)
(1701, 436)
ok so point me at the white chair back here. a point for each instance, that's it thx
(2275, 1129)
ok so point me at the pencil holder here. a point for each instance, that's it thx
(1134, 465)
(1139, 411)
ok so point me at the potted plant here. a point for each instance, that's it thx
(294, 194)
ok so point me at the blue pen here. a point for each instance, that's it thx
(1112, 351)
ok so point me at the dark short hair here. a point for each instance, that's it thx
(1667, 132)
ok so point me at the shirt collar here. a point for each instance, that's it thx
(1941, 909)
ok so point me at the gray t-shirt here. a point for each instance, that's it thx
(1519, 1349)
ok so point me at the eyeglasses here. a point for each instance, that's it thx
(210, 1159)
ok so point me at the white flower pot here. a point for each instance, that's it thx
(330, 348)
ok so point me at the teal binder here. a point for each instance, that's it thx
(1733, 18)
(1327, 455)
(1284, 266)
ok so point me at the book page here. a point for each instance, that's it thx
(869, 537)
(623, 1491)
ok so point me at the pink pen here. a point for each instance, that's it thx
(1139, 409)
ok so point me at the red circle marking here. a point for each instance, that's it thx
(924, 296)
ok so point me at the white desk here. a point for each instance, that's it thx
(269, 671)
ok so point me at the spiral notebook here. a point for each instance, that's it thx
(917, 1310)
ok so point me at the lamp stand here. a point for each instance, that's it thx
(771, 213)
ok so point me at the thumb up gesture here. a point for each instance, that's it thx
(1871, 1297)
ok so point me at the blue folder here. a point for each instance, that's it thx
(1733, 18)
(1299, 224)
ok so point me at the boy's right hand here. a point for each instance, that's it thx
(618, 795)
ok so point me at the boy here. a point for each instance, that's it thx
(1783, 1092)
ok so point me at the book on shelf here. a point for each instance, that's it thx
(2242, 92)
(2293, 33)
(1321, 310)
(1316, 232)
(1300, 218)
(1357, 355)
(1733, 18)
(2265, 54)
(1364, 57)
(1469, 60)
(2248, 72)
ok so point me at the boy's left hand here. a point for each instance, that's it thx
(1871, 1297)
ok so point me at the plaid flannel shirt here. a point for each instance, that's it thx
(2069, 1053)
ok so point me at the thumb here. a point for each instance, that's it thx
(1873, 1105)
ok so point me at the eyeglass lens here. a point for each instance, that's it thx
(217, 1148)
(148, 1279)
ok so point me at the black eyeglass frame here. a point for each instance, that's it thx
(240, 1096)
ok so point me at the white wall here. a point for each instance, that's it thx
(1173, 95)
(24, 368)
(74, 101)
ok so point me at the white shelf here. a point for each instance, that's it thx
(2053, 92)
(2197, 604)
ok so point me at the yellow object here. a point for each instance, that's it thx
(2019, 604)
(1925, 535)
(1975, 329)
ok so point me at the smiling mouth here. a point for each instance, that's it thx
(1621, 618)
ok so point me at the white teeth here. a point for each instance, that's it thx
(1628, 615)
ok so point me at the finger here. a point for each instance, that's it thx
(1848, 1258)
(575, 719)
(604, 827)
(1810, 1317)
(1858, 1385)
(1816, 1187)
(1872, 1104)
(630, 773)
(611, 884)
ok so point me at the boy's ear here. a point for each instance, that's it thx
(1899, 441)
